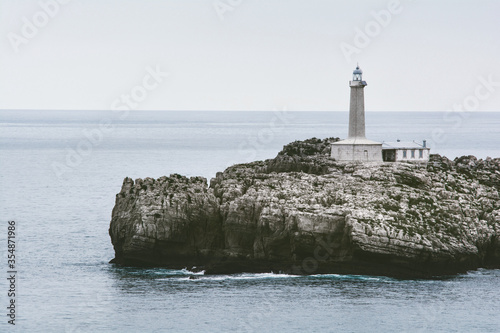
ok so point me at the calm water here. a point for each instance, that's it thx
(59, 176)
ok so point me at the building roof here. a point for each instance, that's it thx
(357, 141)
(403, 145)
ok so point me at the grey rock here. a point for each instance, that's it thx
(304, 213)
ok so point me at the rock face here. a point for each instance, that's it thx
(303, 213)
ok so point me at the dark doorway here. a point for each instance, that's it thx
(389, 155)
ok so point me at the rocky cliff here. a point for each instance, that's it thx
(303, 213)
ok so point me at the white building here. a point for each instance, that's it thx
(357, 147)
(405, 151)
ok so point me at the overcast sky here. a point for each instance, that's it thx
(420, 55)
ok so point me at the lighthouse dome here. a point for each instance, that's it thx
(357, 74)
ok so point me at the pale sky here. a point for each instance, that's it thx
(420, 55)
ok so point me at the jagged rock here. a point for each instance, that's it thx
(304, 213)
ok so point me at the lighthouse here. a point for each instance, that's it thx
(357, 147)
(357, 105)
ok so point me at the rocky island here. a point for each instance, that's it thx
(305, 213)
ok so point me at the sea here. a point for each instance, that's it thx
(60, 172)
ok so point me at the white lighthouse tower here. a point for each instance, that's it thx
(357, 147)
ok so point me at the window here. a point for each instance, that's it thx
(413, 154)
(404, 153)
(421, 153)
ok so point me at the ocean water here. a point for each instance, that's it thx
(60, 171)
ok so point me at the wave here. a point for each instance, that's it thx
(186, 275)
(353, 277)
(243, 276)
(195, 275)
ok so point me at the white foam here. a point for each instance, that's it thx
(243, 276)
